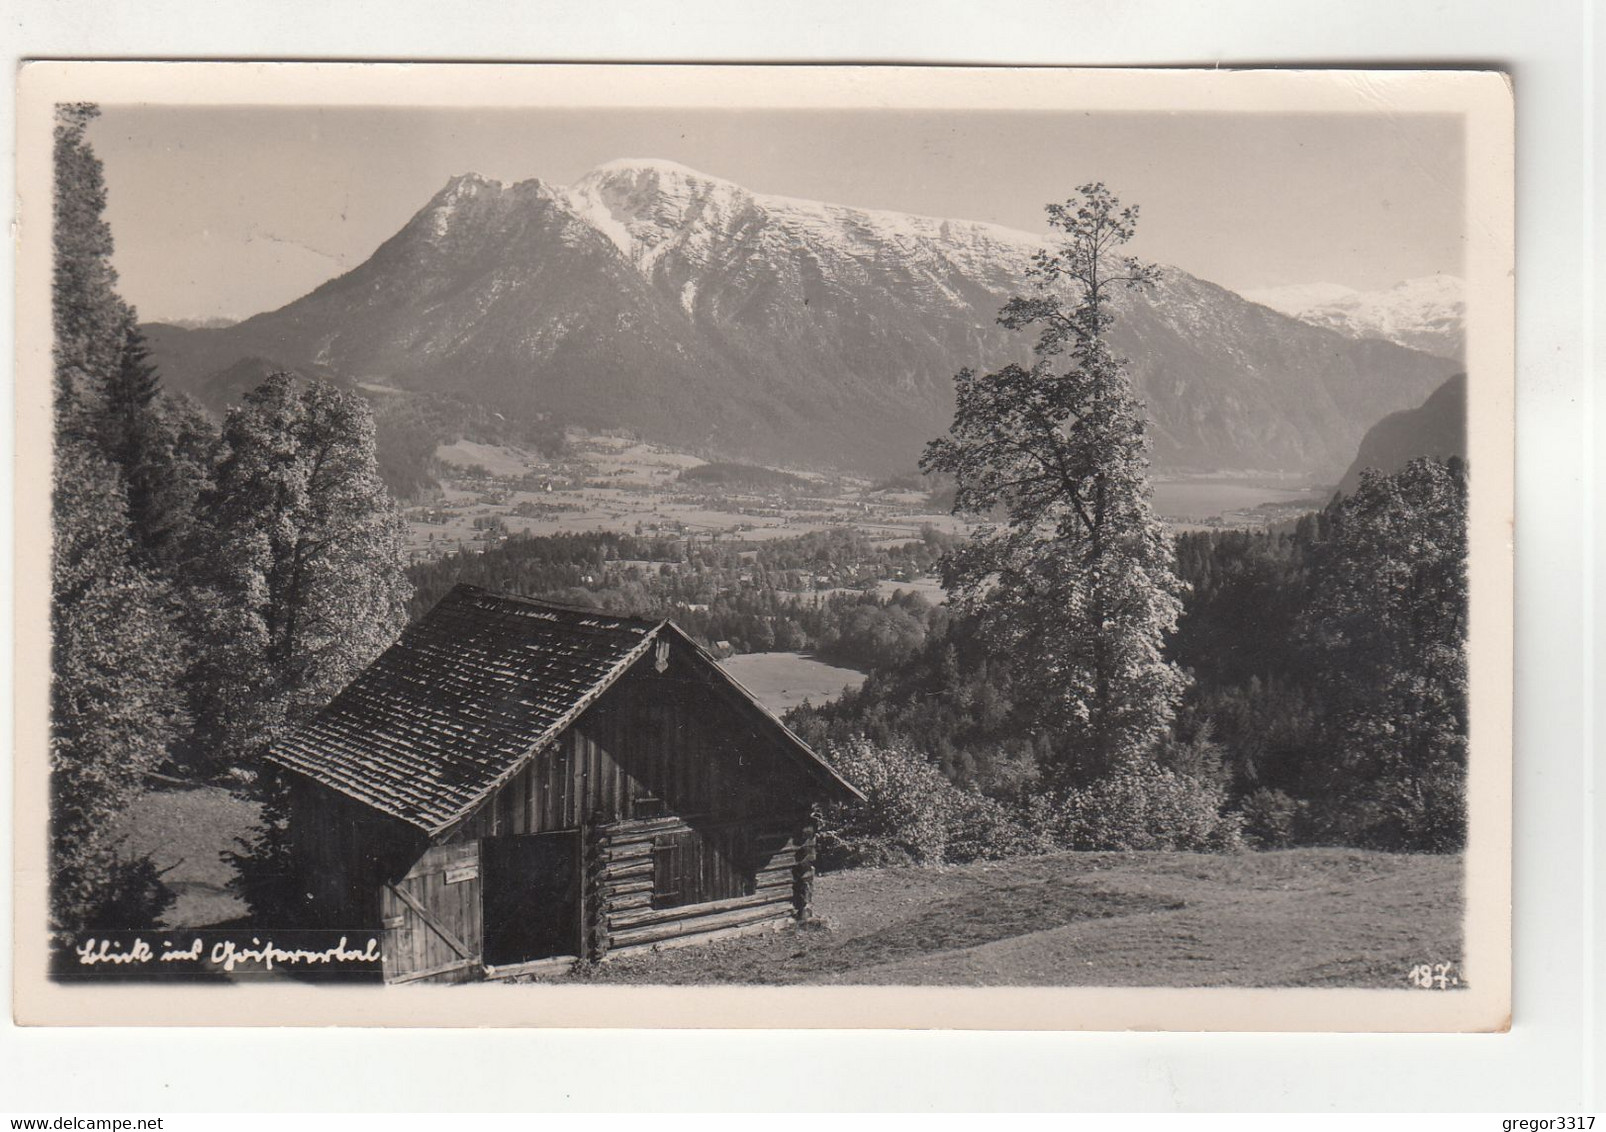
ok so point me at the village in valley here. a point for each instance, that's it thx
(677, 503)
(605, 482)
(630, 486)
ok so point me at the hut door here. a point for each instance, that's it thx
(432, 916)
(532, 897)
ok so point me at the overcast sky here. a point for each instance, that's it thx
(232, 211)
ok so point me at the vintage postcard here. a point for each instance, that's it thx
(764, 547)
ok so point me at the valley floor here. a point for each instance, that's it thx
(1301, 917)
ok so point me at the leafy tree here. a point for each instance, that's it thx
(115, 705)
(116, 658)
(306, 563)
(913, 815)
(1388, 617)
(1075, 580)
(1149, 807)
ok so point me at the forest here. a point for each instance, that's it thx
(1325, 706)
(755, 599)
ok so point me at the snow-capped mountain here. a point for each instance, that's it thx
(650, 296)
(1424, 314)
(208, 322)
(658, 212)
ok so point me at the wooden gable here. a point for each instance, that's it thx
(492, 704)
(666, 740)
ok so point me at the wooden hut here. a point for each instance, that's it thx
(515, 783)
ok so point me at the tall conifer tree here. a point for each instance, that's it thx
(87, 315)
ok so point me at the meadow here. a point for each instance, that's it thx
(782, 680)
(185, 830)
(1286, 918)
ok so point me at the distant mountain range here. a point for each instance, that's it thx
(212, 322)
(780, 331)
(1427, 314)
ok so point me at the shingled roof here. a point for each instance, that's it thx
(468, 694)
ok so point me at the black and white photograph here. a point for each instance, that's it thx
(544, 534)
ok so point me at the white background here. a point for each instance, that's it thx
(1549, 1063)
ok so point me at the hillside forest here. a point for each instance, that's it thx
(1093, 682)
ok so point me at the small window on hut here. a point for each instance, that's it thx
(691, 867)
(644, 805)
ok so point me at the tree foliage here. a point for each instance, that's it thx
(305, 562)
(1076, 577)
(115, 698)
(87, 315)
(1388, 619)
(913, 815)
(305, 586)
(1149, 807)
(1328, 696)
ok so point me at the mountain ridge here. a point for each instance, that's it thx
(649, 296)
(1437, 428)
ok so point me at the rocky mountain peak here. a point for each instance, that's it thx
(467, 184)
(646, 205)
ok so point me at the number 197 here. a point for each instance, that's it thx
(1434, 976)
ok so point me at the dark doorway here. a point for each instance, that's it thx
(532, 897)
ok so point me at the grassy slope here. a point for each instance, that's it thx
(185, 830)
(1308, 917)
(1301, 917)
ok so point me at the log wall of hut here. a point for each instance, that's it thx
(665, 882)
